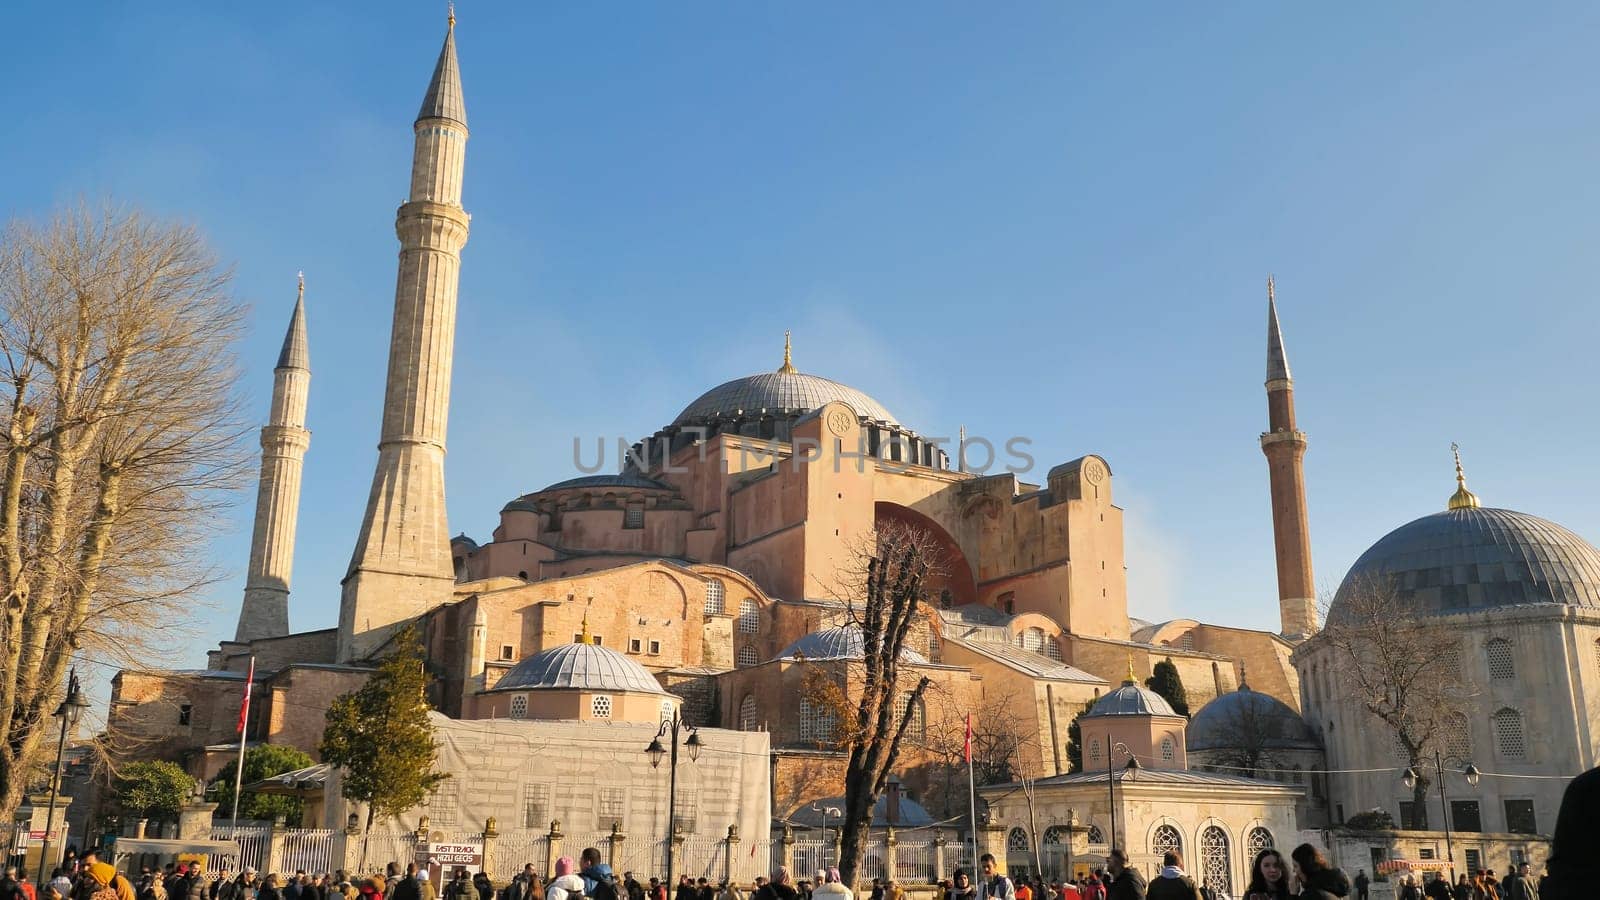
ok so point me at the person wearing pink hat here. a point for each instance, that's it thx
(566, 885)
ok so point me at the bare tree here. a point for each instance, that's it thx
(1393, 663)
(1251, 737)
(119, 440)
(1003, 745)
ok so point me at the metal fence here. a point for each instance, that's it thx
(514, 849)
(309, 850)
(254, 843)
(914, 862)
(382, 848)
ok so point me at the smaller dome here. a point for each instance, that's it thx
(1219, 724)
(579, 666)
(1132, 699)
(621, 480)
(840, 642)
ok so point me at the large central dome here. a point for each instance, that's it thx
(779, 393)
(1472, 557)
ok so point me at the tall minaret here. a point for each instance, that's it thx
(401, 566)
(1285, 447)
(284, 440)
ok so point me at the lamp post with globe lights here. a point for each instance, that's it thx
(1131, 766)
(1471, 773)
(72, 706)
(656, 752)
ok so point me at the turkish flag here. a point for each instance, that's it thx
(244, 707)
(967, 747)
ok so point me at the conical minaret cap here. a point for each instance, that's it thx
(1277, 359)
(444, 100)
(296, 352)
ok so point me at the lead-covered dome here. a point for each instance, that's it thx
(779, 393)
(840, 642)
(1132, 699)
(579, 666)
(1224, 723)
(1472, 557)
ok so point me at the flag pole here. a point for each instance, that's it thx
(972, 797)
(244, 721)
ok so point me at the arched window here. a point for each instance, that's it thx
(1215, 866)
(816, 722)
(1501, 666)
(1032, 639)
(714, 595)
(1166, 839)
(1257, 840)
(747, 713)
(1055, 837)
(917, 728)
(749, 616)
(1096, 836)
(747, 657)
(1017, 841)
(1508, 733)
(1448, 657)
(519, 706)
(1169, 749)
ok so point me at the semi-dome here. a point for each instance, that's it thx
(1473, 557)
(1219, 725)
(1132, 699)
(579, 666)
(777, 393)
(840, 642)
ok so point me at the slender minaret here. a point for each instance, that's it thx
(284, 440)
(401, 566)
(1285, 447)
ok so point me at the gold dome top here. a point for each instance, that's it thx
(788, 365)
(1462, 498)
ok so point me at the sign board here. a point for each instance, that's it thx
(195, 861)
(36, 836)
(443, 859)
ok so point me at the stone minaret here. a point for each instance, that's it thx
(284, 440)
(1285, 447)
(401, 565)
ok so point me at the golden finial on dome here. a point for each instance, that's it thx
(1270, 297)
(788, 367)
(452, 16)
(1462, 498)
(585, 637)
(1132, 678)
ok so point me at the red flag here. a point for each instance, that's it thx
(967, 747)
(244, 708)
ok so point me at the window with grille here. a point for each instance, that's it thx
(1096, 836)
(633, 516)
(1055, 837)
(519, 706)
(714, 595)
(816, 722)
(747, 657)
(1520, 818)
(1474, 862)
(1465, 816)
(1169, 750)
(536, 806)
(635, 645)
(1052, 649)
(611, 805)
(1448, 658)
(666, 711)
(749, 617)
(1501, 666)
(1094, 752)
(1408, 814)
(1508, 733)
(655, 648)
(1031, 639)
(688, 812)
(1166, 839)
(747, 713)
(1215, 866)
(1458, 736)
(917, 728)
(933, 645)
(1017, 841)
(1187, 641)
(444, 805)
(600, 706)
(1257, 840)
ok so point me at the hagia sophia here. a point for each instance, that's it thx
(703, 578)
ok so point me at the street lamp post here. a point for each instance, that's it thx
(655, 751)
(826, 812)
(71, 707)
(1471, 772)
(1111, 785)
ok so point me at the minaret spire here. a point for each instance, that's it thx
(401, 566)
(1285, 448)
(284, 440)
(1462, 498)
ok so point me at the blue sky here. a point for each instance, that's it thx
(1042, 219)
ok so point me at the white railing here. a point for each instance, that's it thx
(254, 842)
(515, 849)
(383, 847)
(914, 862)
(309, 850)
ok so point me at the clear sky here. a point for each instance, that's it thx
(1051, 220)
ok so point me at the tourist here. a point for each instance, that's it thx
(658, 891)
(961, 887)
(271, 888)
(1094, 888)
(891, 890)
(103, 882)
(1125, 883)
(994, 885)
(1519, 885)
(1269, 877)
(60, 881)
(459, 887)
(632, 887)
(1318, 880)
(567, 884)
(1462, 889)
(832, 888)
(704, 891)
(685, 889)
(1363, 883)
(484, 886)
(292, 890)
(246, 887)
(425, 887)
(1437, 888)
(1024, 890)
(778, 888)
(599, 882)
(729, 891)
(373, 888)
(1172, 883)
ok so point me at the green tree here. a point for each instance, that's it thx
(1075, 740)
(153, 789)
(261, 762)
(1164, 680)
(380, 737)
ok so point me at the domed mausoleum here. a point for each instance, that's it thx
(1132, 720)
(1246, 732)
(581, 680)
